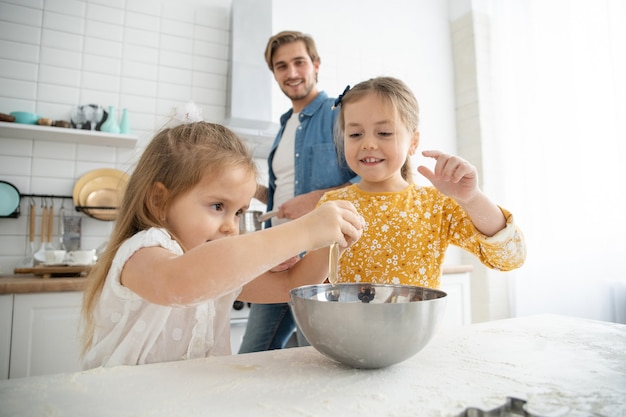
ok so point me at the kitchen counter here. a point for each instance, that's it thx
(562, 366)
(23, 284)
(17, 284)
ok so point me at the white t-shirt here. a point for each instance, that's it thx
(283, 165)
(132, 331)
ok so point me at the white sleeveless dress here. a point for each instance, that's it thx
(132, 331)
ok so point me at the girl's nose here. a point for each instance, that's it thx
(230, 226)
(369, 142)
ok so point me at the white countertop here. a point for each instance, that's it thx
(561, 366)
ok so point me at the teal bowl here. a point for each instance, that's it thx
(25, 117)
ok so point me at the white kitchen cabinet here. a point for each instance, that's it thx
(458, 309)
(44, 338)
(6, 320)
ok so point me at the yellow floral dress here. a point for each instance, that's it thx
(407, 233)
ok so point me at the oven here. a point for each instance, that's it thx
(238, 321)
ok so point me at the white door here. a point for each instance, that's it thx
(45, 334)
(458, 309)
(6, 319)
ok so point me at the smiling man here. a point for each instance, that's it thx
(303, 165)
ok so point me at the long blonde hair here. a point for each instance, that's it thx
(178, 158)
(392, 91)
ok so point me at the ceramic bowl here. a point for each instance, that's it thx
(367, 325)
(25, 117)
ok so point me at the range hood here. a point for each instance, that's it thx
(250, 100)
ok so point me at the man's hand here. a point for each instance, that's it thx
(283, 266)
(299, 205)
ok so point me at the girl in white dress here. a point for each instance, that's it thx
(163, 289)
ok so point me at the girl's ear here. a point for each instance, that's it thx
(415, 141)
(156, 199)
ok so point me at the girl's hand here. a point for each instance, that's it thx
(334, 221)
(453, 176)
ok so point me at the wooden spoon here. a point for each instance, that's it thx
(50, 227)
(333, 263)
(40, 255)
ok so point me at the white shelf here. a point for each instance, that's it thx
(60, 134)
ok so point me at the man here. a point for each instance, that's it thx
(303, 165)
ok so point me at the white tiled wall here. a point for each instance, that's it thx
(142, 55)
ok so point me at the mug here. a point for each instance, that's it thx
(82, 257)
(55, 257)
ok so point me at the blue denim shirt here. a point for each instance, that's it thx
(316, 160)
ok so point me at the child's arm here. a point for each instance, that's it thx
(273, 287)
(223, 265)
(458, 179)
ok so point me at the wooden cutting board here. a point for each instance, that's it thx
(55, 271)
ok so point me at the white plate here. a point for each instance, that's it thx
(9, 198)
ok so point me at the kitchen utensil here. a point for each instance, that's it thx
(513, 407)
(62, 225)
(78, 118)
(71, 232)
(40, 255)
(50, 226)
(333, 263)
(249, 222)
(94, 114)
(102, 188)
(252, 220)
(25, 117)
(266, 216)
(9, 199)
(351, 324)
(28, 260)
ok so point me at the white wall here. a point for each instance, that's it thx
(358, 40)
(558, 99)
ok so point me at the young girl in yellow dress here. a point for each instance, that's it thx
(409, 227)
(164, 287)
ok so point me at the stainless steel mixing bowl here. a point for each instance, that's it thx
(368, 325)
